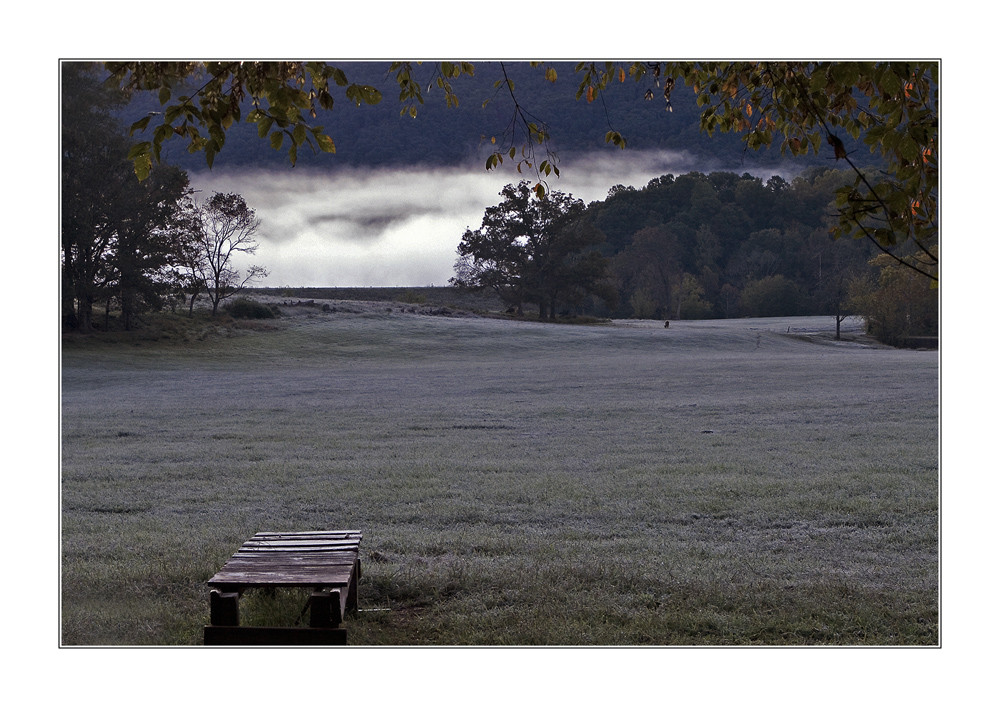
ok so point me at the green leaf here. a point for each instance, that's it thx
(142, 165)
(139, 125)
(264, 126)
(173, 112)
(217, 135)
(139, 149)
(363, 94)
(277, 138)
(162, 132)
(325, 143)
(909, 149)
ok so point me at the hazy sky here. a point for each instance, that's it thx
(392, 227)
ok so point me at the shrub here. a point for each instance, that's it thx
(771, 296)
(643, 305)
(900, 305)
(411, 297)
(243, 308)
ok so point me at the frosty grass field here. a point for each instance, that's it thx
(714, 482)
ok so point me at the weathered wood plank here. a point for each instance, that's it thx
(274, 636)
(279, 579)
(346, 537)
(305, 556)
(309, 532)
(267, 547)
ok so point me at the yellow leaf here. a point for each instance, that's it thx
(749, 109)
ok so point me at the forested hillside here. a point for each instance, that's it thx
(723, 245)
(694, 246)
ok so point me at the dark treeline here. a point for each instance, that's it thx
(714, 245)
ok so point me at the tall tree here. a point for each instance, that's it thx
(112, 227)
(227, 228)
(534, 251)
(650, 268)
(145, 247)
(92, 155)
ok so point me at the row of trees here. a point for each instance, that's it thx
(130, 244)
(693, 247)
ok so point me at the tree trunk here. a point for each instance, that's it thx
(84, 313)
(68, 301)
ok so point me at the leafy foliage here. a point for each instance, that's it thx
(804, 106)
(534, 251)
(116, 239)
(280, 94)
(896, 305)
(816, 106)
(706, 246)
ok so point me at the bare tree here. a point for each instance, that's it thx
(227, 227)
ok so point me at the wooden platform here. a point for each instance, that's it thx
(325, 561)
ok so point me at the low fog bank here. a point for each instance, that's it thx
(400, 227)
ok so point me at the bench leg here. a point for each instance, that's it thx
(352, 588)
(325, 609)
(224, 608)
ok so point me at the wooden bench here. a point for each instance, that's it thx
(325, 561)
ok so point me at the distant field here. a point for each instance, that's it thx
(483, 301)
(722, 482)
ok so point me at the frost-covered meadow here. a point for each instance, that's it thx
(717, 482)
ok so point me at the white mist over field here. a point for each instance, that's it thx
(398, 227)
